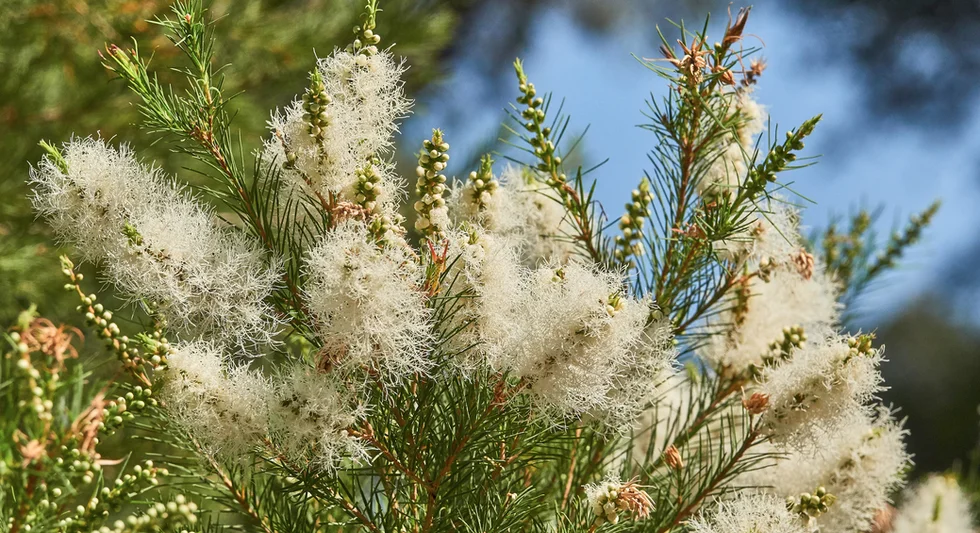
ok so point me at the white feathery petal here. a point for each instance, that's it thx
(159, 244)
(646, 375)
(487, 277)
(773, 233)
(818, 388)
(749, 513)
(367, 99)
(937, 505)
(860, 463)
(673, 396)
(733, 154)
(788, 296)
(548, 228)
(869, 467)
(578, 337)
(503, 212)
(368, 303)
(311, 416)
(224, 406)
(786, 300)
(522, 210)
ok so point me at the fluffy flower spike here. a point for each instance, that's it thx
(157, 243)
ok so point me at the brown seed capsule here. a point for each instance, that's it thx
(672, 456)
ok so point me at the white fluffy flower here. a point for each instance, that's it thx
(578, 337)
(501, 210)
(521, 210)
(650, 428)
(366, 101)
(224, 406)
(819, 387)
(772, 233)
(565, 329)
(639, 384)
(749, 514)
(487, 278)
(937, 505)
(870, 463)
(789, 291)
(786, 300)
(311, 416)
(860, 463)
(368, 303)
(157, 243)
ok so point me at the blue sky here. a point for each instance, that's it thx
(899, 167)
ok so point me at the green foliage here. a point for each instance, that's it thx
(52, 470)
(54, 82)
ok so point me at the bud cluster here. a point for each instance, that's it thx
(481, 184)
(767, 266)
(793, 338)
(126, 407)
(615, 304)
(842, 251)
(315, 101)
(778, 159)
(631, 224)
(810, 506)
(431, 185)
(534, 116)
(368, 186)
(78, 462)
(741, 294)
(40, 403)
(899, 241)
(859, 346)
(159, 517)
(111, 499)
(97, 316)
(365, 39)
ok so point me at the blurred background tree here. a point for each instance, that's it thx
(896, 78)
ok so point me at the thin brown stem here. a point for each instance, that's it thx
(367, 435)
(239, 494)
(571, 469)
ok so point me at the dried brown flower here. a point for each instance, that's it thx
(86, 426)
(31, 452)
(348, 210)
(756, 404)
(751, 76)
(733, 32)
(804, 263)
(725, 75)
(634, 500)
(693, 63)
(55, 341)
